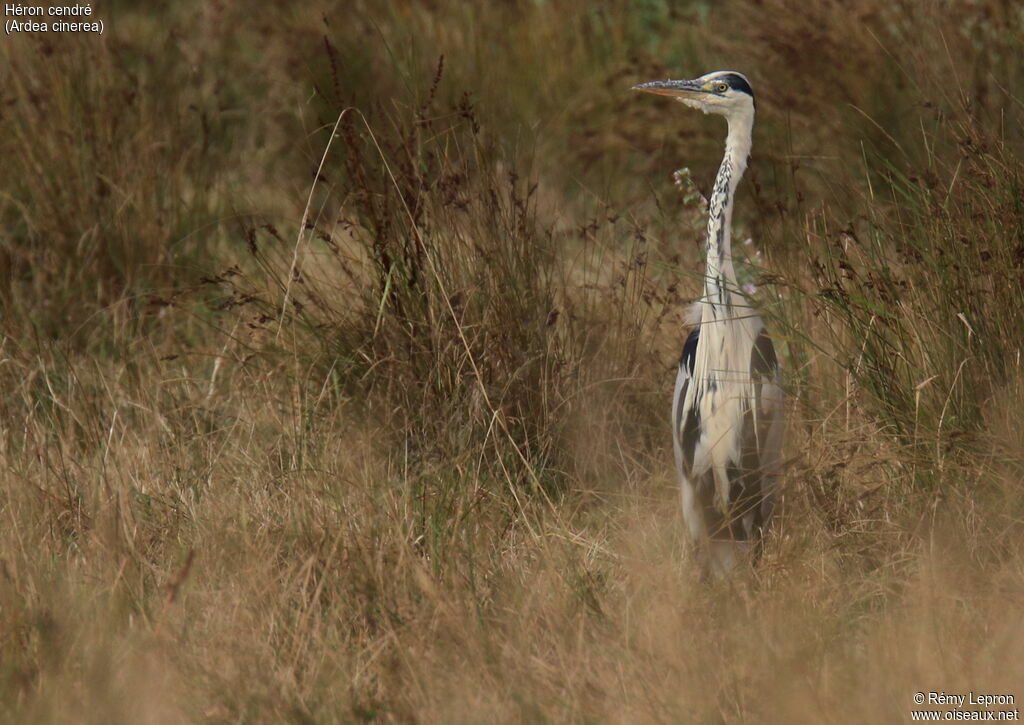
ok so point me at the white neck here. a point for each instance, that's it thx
(720, 275)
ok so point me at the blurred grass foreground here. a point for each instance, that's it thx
(338, 341)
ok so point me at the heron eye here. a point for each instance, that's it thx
(721, 87)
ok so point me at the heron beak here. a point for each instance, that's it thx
(674, 89)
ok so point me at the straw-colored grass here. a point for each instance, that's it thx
(321, 420)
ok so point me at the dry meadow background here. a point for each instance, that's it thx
(338, 341)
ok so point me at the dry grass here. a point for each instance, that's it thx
(408, 462)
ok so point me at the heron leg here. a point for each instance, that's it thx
(721, 542)
(713, 558)
(724, 556)
(693, 516)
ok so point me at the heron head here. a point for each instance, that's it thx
(724, 92)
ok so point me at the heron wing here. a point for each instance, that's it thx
(687, 420)
(769, 420)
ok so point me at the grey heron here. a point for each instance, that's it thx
(727, 418)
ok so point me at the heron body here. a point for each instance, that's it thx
(727, 417)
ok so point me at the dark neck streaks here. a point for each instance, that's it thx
(720, 275)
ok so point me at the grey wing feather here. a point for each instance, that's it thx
(770, 418)
(687, 422)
